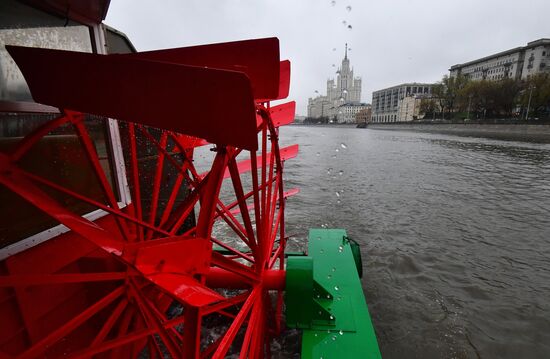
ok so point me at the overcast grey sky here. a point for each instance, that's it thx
(392, 41)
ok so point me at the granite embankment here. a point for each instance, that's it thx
(515, 132)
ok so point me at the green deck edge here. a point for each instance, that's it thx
(351, 335)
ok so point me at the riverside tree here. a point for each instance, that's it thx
(538, 88)
(447, 92)
(503, 98)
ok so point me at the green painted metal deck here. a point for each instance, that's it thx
(348, 331)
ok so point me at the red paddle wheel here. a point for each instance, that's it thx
(150, 275)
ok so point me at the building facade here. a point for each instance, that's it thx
(318, 107)
(409, 109)
(364, 116)
(518, 63)
(399, 103)
(347, 113)
(343, 95)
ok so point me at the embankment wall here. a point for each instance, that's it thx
(520, 132)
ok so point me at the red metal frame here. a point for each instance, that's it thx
(118, 277)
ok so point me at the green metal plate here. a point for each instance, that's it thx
(352, 335)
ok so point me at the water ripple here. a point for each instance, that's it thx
(455, 232)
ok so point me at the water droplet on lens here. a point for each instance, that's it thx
(333, 49)
(322, 251)
(343, 145)
(333, 269)
(316, 334)
(329, 276)
(333, 2)
(344, 22)
(328, 296)
(333, 65)
(329, 171)
(348, 8)
(336, 287)
(341, 332)
(340, 172)
(331, 317)
(318, 154)
(345, 91)
(334, 337)
(349, 27)
(316, 91)
(337, 150)
(340, 248)
(337, 194)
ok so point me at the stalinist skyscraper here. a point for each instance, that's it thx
(345, 90)
(347, 87)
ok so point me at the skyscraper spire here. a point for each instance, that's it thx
(346, 57)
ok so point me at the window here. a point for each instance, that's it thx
(531, 60)
(26, 26)
(57, 157)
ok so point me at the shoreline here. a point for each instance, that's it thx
(539, 133)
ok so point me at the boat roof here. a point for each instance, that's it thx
(86, 11)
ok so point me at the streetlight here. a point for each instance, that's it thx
(529, 102)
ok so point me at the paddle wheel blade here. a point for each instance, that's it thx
(283, 114)
(284, 83)
(289, 152)
(291, 192)
(284, 79)
(286, 194)
(238, 210)
(190, 142)
(185, 288)
(246, 165)
(258, 59)
(163, 95)
(165, 256)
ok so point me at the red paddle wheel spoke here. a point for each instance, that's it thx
(42, 345)
(91, 153)
(135, 177)
(99, 205)
(110, 322)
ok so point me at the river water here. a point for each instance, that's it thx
(455, 235)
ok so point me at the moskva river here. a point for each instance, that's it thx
(455, 235)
